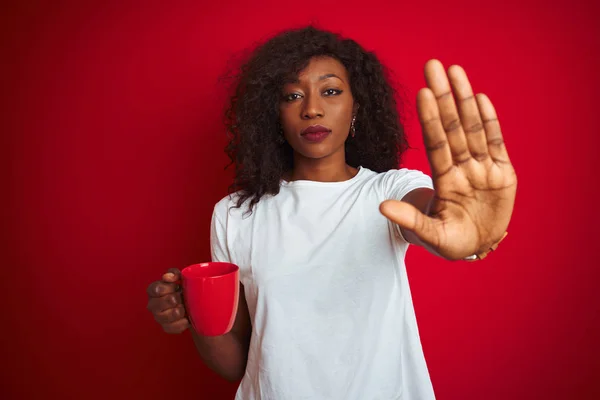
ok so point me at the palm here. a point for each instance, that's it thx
(474, 181)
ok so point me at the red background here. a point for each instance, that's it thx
(112, 142)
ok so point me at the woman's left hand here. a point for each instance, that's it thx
(475, 183)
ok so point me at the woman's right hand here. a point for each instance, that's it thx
(166, 304)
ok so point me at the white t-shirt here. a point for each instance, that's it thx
(327, 291)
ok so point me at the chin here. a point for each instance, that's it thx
(317, 150)
(315, 153)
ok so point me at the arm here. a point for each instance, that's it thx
(227, 355)
(420, 198)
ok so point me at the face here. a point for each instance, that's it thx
(316, 111)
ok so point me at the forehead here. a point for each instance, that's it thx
(319, 67)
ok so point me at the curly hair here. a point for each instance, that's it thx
(252, 115)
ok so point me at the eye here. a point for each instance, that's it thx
(332, 92)
(292, 97)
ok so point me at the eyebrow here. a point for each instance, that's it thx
(321, 78)
(326, 76)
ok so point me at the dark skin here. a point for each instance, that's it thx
(469, 210)
(322, 96)
(226, 354)
(474, 180)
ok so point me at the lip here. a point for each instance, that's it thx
(315, 129)
(316, 137)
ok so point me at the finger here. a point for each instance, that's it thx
(437, 81)
(172, 275)
(495, 140)
(160, 288)
(159, 304)
(177, 326)
(434, 136)
(469, 113)
(170, 315)
(409, 217)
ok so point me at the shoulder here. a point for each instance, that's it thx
(404, 175)
(396, 183)
(399, 175)
(221, 207)
(227, 208)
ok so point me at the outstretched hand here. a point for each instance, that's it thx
(474, 181)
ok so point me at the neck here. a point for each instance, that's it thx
(329, 169)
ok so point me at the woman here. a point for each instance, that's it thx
(321, 219)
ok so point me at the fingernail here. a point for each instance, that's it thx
(169, 275)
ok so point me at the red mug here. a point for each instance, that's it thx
(210, 292)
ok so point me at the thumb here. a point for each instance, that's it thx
(410, 218)
(172, 275)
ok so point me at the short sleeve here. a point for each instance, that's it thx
(218, 239)
(400, 182)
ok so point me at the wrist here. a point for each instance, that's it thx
(483, 254)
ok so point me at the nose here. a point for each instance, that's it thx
(312, 107)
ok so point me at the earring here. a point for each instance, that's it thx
(352, 128)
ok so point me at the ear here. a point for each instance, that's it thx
(355, 109)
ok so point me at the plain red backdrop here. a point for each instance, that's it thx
(112, 141)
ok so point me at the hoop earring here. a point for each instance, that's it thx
(352, 127)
